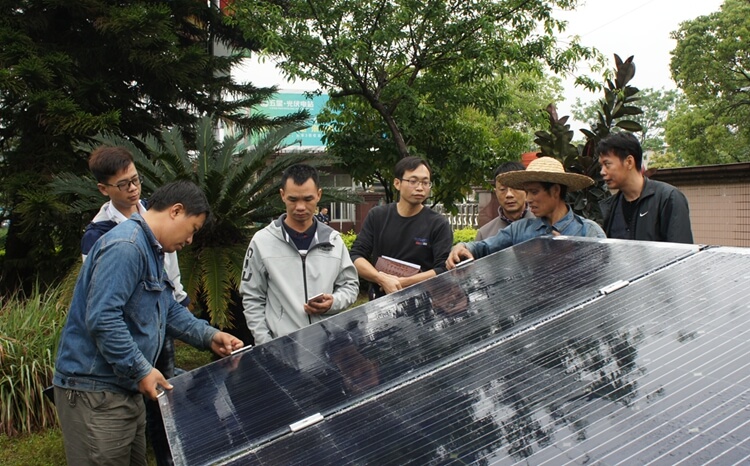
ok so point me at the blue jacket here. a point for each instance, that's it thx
(528, 228)
(109, 217)
(121, 309)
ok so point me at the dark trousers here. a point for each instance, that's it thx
(102, 427)
(154, 424)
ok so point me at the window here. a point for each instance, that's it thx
(339, 211)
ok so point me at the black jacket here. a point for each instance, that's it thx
(662, 214)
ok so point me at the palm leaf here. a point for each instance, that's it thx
(216, 284)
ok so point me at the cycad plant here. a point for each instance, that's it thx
(242, 186)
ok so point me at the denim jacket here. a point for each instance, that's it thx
(528, 228)
(121, 309)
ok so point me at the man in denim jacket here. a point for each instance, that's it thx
(122, 308)
(546, 183)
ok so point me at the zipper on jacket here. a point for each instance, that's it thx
(304, 281)
(289, 241)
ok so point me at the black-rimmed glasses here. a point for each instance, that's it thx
(125, 185)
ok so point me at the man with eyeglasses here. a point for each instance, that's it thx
(406, 230)
(512, 203)
(118, 179)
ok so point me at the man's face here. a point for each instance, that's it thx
(615, 171)
(512, 201)
(301, 202)
(181, 230)
(418, 193)
(125, 199)
(541, 202)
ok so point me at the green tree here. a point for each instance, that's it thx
(410, 59)
(665, 160)
(464, 142)
(70, 69)
(697, 137)
(711, 64)
(242, 187)
(656, 104)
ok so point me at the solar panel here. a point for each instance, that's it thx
(558, 350)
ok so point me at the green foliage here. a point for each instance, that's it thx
(656, 105)
(462, 137)
(3, 235)
(442, 80)
(29, 332)
(664, 160)
(614, 113)
(697, 137)
(349, 238)
(711, 58)
(69, 70)
(464, 235)
(710, 64)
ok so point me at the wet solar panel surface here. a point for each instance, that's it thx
(554, 351)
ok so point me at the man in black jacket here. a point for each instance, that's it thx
(642, 209)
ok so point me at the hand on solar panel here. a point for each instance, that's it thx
(149, 384)
(458, 254)
(319, 305)
(224, 343)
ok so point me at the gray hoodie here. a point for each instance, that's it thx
(277, 279)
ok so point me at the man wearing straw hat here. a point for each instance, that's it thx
(546, 183)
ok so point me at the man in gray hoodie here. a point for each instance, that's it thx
(297, 270)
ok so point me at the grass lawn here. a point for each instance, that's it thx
(42, 449)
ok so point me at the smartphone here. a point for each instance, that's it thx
(464, 262)
(315, 298)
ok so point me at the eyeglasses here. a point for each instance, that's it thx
(125, 185)
(413, 182)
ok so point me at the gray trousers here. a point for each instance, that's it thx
(102, 428)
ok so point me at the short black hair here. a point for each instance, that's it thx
(408, 164)
(184, 192)
(621, 144)
(507, 167)
(299, 174)
(106, 161)
(563, 188)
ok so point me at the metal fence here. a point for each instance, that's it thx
(467, 215)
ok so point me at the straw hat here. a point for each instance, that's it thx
(544, 169)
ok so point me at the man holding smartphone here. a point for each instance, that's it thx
(297, 270)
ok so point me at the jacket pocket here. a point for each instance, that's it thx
(146, 303)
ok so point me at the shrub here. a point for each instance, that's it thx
(29, 332)
(459, 236)
(349, 238)
(464, 235)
